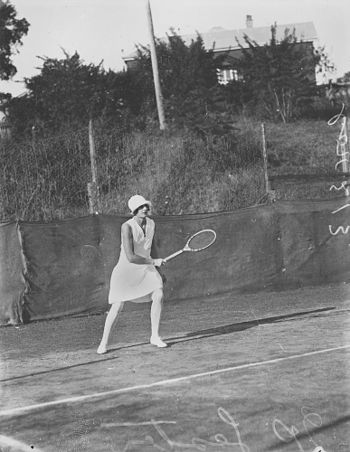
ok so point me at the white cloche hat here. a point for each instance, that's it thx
(137, 201)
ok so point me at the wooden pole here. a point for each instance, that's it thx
(92, 152)
(158, 92)
(93, 194)
(267, 183)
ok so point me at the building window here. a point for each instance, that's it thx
(226, 75)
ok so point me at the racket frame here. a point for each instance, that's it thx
(188, 248)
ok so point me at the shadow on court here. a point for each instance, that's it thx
(245, 373)
(234, 327)
(195, 335)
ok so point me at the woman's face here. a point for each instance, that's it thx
(142, 211)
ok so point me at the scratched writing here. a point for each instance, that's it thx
(343, 160)
(342, 139)
(339, 229)
(162, 442)
(291, 434)
(341, 145)
(343, 186)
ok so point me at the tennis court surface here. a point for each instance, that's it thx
(266, 371)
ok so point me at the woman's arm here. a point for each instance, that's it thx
(155, 246)
(155, 252)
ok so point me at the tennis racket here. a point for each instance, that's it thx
(197, 242)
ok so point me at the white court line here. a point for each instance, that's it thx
(170, 381)
(136, 424)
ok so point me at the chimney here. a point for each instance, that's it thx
(249, 21)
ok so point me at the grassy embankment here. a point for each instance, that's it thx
(47, 179)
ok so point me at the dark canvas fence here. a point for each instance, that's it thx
(61, 268)
(12, 282)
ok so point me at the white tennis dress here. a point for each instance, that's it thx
(135, 282)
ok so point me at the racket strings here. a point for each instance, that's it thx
(201, 240)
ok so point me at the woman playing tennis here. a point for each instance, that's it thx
(135, 277)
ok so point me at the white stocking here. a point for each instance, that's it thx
(156, 311)
(110, 319)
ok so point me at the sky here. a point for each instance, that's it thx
(108, 29)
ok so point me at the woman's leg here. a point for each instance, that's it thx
(110, 319)
(156, 311)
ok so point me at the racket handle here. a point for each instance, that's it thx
(173, 255)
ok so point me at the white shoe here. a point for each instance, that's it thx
(157, 341)
(102, 349)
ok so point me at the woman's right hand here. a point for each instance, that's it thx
(158, 262)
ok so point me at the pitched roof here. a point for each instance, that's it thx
(219, 39)
(227, 39)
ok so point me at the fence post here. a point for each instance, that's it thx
(92, 187)
(269, 193)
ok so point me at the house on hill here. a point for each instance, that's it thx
(224, 42)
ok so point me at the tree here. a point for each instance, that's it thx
(68, 91)
(188, 79)
(12, 31)
(325, 67)
(193, 99)
(278, 77)
(344, 78)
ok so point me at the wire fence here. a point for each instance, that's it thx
(46, 178)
